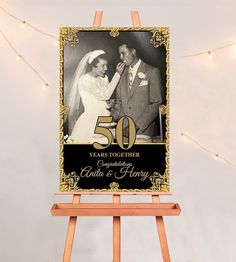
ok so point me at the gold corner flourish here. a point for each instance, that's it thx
(69, 36)
(159, 182)
(69, 182)
(160, 37)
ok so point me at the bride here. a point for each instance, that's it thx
(91, 87)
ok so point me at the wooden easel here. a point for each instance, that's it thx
(117, 209)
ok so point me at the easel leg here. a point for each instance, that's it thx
(97, 19)
(116, 233)
(162, 233)
(70, 233)
(135, 18)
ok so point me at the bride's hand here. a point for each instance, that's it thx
(120, 68)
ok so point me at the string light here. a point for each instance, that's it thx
(45, 86)
(185, 138)
(209, 52)
(56, 42)
(20, 57)
(23, 24)
(215, 155)
(234, 50)
(209, 55)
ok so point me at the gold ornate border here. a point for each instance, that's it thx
(160, 36)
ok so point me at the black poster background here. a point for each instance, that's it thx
(152, 159)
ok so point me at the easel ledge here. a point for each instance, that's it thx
(116, 210)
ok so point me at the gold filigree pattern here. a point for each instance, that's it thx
(63, 187)
(160, 37)
(159, 183)
(69, 36)
(114, 186)
(166, 187)
(114, 32)
(69, 182)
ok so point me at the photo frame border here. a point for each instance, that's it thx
(160, 36)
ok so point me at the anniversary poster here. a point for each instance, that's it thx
(114, 110)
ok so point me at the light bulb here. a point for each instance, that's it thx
(56, 42)
(45, 86)
(234, 50)
(184, 137)
(18, 57)
(23, 23)
(209, 55)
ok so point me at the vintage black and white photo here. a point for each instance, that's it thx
(114, 76)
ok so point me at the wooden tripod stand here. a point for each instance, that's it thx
(116, 209)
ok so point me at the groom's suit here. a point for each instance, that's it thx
(141, 102)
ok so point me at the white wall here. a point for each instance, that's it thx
(203, 98)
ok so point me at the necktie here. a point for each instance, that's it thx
(130, 79)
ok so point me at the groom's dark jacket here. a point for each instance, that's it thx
(141, 102)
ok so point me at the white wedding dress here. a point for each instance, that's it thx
(94, 92)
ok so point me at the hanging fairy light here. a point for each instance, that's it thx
(45, 86)
(20, 57)
(185, 138)
(215, 155)
(209, 55)
(23, 24)
(210, 52)
(56, 42)
(234, 50)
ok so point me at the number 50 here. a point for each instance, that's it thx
(119, 132)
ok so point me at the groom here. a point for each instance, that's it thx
(139, 93)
